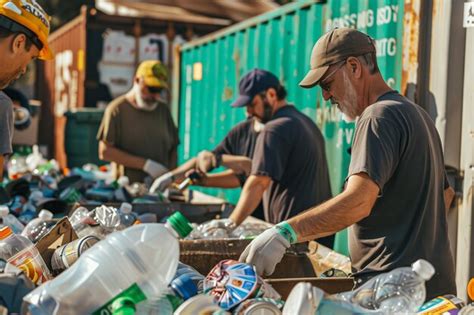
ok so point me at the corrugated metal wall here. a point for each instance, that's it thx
(281, 41)
(61, 84)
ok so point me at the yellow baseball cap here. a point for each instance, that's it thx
(28, 17)
(154, 73)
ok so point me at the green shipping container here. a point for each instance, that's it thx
(281, 42)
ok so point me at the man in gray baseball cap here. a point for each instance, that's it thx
(334, 47)
(396, 191)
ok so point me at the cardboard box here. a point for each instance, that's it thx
(203, 255)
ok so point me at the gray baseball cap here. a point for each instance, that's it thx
(333, 47)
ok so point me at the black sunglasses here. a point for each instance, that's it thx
(154, 90)
(327, 85)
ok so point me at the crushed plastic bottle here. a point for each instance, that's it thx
(400, 290)
(20, 252)
(304, 299)
(7, 219)
(188, 271)
(39, 226)
(215, 230)
(148, 253)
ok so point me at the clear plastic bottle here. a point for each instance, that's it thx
(398, 291)
(139, 262)
(306, 299)
(8, 219)
(166, 305)
(20, 252)
(127, 217)
(39, 226)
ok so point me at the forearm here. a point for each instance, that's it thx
(250, 198)
(237, 163)
(110, 153)
(326, 219)
(180, 171)
(448, 198)
(347, 208)
(226, 179)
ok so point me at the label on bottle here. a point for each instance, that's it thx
(134, 292)
(66, 255)
(437, 306)
(32, 266)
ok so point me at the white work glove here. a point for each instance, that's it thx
(265, 251)
(154, 169)
(162, 182)
(206, 161)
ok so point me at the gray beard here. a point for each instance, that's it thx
(141, 104)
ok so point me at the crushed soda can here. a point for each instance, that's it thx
(230, 283)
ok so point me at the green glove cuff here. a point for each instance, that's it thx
(285, 230)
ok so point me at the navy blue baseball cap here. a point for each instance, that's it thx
(253, 83)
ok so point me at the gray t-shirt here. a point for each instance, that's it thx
(397, 145)
(6, 124)
(290, 150)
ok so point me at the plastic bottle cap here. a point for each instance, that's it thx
(184, 286)
(5, 232)
(180, 224)
(45, 215)
(4, 211)
(125, 207)
(123, 181)
(470, 289)
(424, 269)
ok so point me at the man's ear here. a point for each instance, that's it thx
(271, 94)
(18, 43)
(355, 67)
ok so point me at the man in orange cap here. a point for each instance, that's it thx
(24, 31)
(137, 132)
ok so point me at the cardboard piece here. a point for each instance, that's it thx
(62, 233)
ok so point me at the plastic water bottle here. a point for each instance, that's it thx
(7, 219)
(127, 217)
(20, 252)
(166, 305)
(39, 226)
(184, 275)
(401, 290)
(138, 263)
(305, 299)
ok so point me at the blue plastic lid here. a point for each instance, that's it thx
(184, 286)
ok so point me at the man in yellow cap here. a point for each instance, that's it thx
(24, 31)
(137, 132)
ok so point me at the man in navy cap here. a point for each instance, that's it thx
(289, 168)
